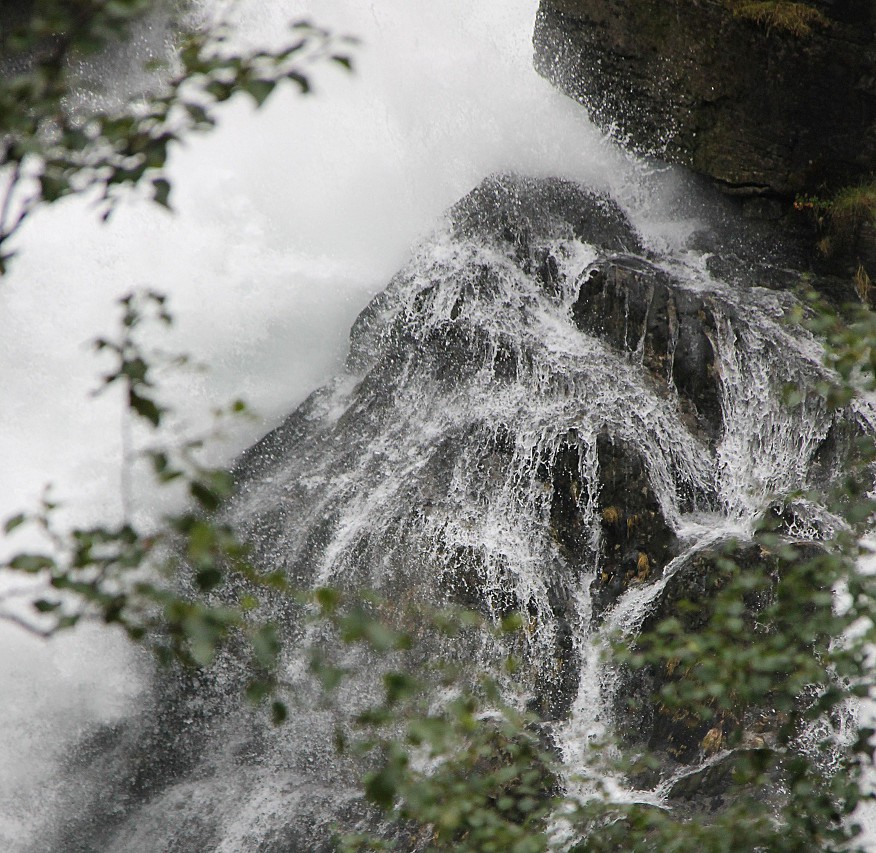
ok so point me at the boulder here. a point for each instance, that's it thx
(765, 112)
(636, 542)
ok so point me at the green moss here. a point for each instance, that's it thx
(854, 206)
(839, 222)
(787, 15)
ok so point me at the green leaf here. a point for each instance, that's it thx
(15, 521)
(208, 578)
(266, 645)
(257, 691)
(381, 637)
(399, 686)
(220, 482)
(161, 192)
(327, 598)
(279, 712)
(135, 369)
(329, 676)
(381, 787)
(301, 80)
(260, 90)
(145, 408)
(205, 496)
(511, 623)
(31, 563)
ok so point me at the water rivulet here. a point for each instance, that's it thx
(537, 415)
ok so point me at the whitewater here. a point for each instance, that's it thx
(286, 222)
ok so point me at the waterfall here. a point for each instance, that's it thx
(560, 329)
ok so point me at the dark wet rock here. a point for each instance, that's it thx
(631, 514)
(638, 309)
(760, 110)
(846, 449)
(462, 583)
(570, 492)
(519, 211)
(636, 540)
(160, 746)
(641, 717)
(675, 736)
(495, 443)
(848, 252)
(705, 784)
(713, 786)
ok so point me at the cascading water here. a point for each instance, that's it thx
(466, 455)
(552, 408)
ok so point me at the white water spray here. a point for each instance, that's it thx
(288, 220)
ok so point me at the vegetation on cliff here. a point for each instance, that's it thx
(795, 18)
(759, 670)
(854, 206)
(769, 99)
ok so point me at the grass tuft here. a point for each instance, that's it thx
(854, 206)
(799, 19)
(864, 286)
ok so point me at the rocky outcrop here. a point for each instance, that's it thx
(636, 541)
(530, 411)
(764, 112)
(638, 309)
(678, 739)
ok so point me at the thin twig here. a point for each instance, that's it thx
(125, 474)
(43, 633)
(14, 178)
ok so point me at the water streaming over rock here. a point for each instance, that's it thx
(562, 404)
(539, 415)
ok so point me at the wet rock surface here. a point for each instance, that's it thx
(640, 716)
(762, 111)
(635, 542)
(636, 307)
(519, 210)
(698, 756)
(529, 413)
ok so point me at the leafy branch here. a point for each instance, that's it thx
(183, 587)
(51, 147)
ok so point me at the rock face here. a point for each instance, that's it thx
(763, 112)
(695, 581)
(636, 306)
(535, 415)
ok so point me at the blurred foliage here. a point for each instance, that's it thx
(182, 586)
(454, 763)
(53, 144)
(778, 657)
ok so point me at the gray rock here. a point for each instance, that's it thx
(761, 111)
